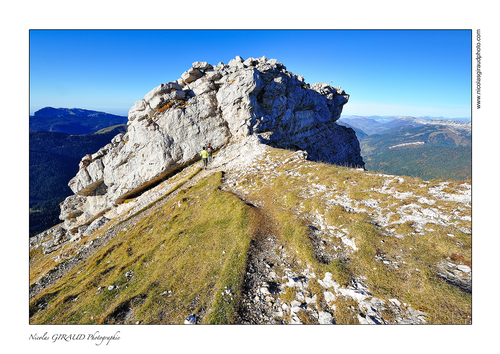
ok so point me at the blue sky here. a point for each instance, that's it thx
(386, 72)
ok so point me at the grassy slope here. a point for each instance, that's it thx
(196, 247)
(422, 288)
(182, 259)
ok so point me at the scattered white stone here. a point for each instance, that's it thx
(366, 320)
(395, 302)
(311, 300)
(264, 291)
(328, 282)
(349, 242)
(424, 200)
(329, 297)
(278, 313)
(358, 295)
(300, 296)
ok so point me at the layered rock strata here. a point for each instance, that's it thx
(220, 105)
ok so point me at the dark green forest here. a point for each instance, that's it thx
(434, 135)
(444, 153)
(426, 162)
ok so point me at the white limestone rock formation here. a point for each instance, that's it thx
(220, 105)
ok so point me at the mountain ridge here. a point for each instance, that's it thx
(73, 120)
(283, 226)
(389, 118)
(372, 126)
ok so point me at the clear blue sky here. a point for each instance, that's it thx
(386, 72)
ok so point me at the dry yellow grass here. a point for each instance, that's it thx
(410, 272)
(172, 264)
(184, 257)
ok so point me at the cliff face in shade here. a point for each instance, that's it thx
(221, 105)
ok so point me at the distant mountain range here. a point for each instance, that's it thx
(383, 119)
(384, 125)
(73, 120)
(425, 148)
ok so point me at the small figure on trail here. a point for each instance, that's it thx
(210, 150)
(204, 157)
(87, 159)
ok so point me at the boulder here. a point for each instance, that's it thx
(237, 62)
(95, 225)
(59, 237)
(202, 86)
(191, 75)
(250, 62)
(202, 65)
(88, 178)
(213, 75)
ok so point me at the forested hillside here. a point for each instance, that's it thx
(54, 159)
(426, 162)
(428, 152)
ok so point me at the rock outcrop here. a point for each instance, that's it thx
(220, 105)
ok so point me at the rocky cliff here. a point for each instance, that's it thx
(221, 105)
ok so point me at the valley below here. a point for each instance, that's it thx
(428, 149)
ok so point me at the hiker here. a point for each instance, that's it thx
(87, 159)
(210, 150)
(204, 157)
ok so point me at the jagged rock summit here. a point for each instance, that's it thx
(221, 105)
